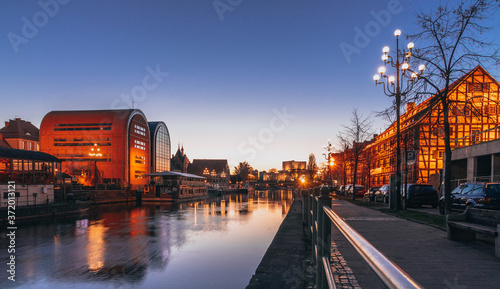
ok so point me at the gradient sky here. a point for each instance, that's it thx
(229, 72)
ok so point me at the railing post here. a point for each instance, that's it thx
(314, 223)
(323, 243)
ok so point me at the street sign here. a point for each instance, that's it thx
(411, 157)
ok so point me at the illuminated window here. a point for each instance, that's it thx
(162, 149)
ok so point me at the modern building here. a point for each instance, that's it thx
(215, 171)
(19, 134)
(476, 163)
(474, 116)
(113, 145)
(160, 147)
(27, 177)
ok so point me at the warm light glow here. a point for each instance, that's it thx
(421, 67)
(411, 45)
(391, 79)
(302, 181)
(385, 49)
(376, 77)
(405, 66)
(397, 32)
(414, 75)
(381, 70)
(385, 57)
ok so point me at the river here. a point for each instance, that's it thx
(215, 243)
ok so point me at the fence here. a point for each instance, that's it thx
(319, 218)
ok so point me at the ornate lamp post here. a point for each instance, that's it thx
(329, 157)
(398, 87)
(95, 153)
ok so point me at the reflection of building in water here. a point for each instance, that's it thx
(121, 244)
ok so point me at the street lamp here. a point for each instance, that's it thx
(95, 153)
(329, 158)
(395, 86)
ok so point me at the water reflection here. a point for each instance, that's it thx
(211, 244)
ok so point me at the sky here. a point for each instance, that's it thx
(257, 81)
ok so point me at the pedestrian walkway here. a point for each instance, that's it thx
(422, 251)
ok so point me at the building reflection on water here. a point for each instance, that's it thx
(122, 244)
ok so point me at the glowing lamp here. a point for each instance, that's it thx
(391, 79)
(405, 66)
(376, 77)
(381, 70)
(397, 32)
(385, 49)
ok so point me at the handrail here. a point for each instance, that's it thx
(390, 274)
(328, 273)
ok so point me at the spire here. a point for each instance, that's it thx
(182, 149)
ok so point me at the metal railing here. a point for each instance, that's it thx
(319, 220)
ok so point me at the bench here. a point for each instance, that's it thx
(463, 227)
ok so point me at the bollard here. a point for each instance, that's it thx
(323, 235)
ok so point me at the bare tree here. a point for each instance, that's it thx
(312, 167)
(454, 41)
(357, 133)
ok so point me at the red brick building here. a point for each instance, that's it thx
(474, 117)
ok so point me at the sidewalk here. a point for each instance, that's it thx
(422, 251)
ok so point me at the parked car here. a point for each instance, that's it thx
(370, 195)
(342, 190)
(382, 195)
(475, 194)
(358, 190)
(419, 194)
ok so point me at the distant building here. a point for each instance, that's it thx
(294, 165)
(31, 176)
(292, 170)
(160, 147)
(119, 139)
(179, 161)
(19, 134)
(216, 171)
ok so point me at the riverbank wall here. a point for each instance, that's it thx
(285, 264)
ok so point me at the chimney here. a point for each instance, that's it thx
(410, 106)
(7, 124)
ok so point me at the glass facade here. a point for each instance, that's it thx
(162, 149)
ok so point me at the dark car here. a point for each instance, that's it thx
(370, 195)
(359, 191)
(481, 195)
(418, 195)
(382, 195)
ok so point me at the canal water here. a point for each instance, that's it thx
(215, 243)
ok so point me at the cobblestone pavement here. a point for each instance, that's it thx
(422, 251)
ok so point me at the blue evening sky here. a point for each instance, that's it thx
(261, 81)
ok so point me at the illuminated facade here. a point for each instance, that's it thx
(215, 171)
(121, 137)
(473, 116)
(160, 147)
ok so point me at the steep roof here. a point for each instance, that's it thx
(426, 106)
(18, 128)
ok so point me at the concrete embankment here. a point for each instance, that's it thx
(284, 264)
